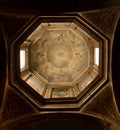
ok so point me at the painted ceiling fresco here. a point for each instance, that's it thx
(60, 58)
(59, 55)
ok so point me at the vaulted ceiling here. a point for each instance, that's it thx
(23, 104)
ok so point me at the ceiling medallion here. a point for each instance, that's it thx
(60, 59)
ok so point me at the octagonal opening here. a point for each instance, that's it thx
(59, 60)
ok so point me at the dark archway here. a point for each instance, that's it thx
(59, 121)
(2, 65)
(116, 64)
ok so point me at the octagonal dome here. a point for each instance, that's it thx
(59, 60)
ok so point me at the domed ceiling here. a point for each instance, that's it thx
(60, 59)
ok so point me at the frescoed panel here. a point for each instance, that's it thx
(60, 93)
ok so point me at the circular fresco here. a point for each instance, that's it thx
(59, 54)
